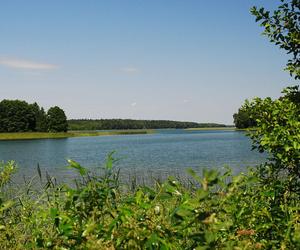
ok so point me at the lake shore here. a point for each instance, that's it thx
(211, 128)
(221, 128)
(46, 135)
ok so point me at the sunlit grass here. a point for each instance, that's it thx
(45, 135)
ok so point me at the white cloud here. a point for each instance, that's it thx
(129, 70)
(25, 64)
(185, 101)
(133, 104)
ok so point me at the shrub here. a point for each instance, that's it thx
(215, 211)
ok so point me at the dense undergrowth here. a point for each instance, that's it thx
(214, 211)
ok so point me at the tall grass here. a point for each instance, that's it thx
(214, 211)
(44, 135)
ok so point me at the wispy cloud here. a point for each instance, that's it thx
(130, 70)
(25, 64)
(133, 104)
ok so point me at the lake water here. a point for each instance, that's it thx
(166, 152)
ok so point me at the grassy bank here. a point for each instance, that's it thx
(40, 135)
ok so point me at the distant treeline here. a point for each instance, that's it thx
(19, 116)
(106, 124)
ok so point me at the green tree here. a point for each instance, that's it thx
(278, 121)
(16, 116)
(40, 118)
(278, 133)
(242, 119)
(293, 94)
(283, 28)
(56, 120)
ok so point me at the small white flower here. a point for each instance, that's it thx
(157, 209)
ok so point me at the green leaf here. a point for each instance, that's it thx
(53, 212)
(72, 164)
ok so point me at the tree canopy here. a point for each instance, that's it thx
(278, 121)
(242, 119)
(16, 116)
(282, 27)
(101, 124)
(57, 120)
(19, 116)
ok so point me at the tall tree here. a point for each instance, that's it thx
(57, 120)
(242, 119)
(40, 118)
(16, 116)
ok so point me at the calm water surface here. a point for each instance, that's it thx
(166, 152)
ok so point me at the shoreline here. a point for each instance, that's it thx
(82, 133)
(211, 128)
(70, 134)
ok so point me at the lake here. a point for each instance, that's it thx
(167, 152)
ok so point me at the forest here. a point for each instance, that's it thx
(107, 124)
(20, 116)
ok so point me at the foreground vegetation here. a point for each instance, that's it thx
(212, 211)
(41, 135)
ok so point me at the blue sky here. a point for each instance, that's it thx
(186, 60)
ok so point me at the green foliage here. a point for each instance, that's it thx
(105, 124)
(16, 116)
(278, 133)
(6, 170)
(242, 119)
(56, 120)
(278, 121)
(19, 116)
(215, 211)
(293, 94)
(40, 118)
(283, 28)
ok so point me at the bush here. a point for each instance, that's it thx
(215, 211)
(278, 133)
